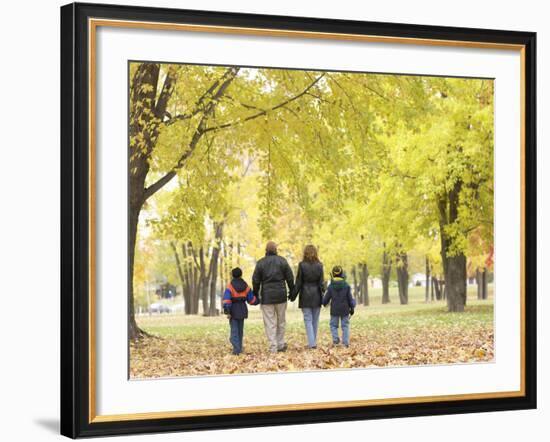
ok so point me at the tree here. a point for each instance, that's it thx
(386, 272)
(442, 170)
(170, 119)
(427, 296)
(213, 273)
(148, 115)
(402, 269)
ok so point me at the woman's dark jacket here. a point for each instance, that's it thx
(309, 284)
(271, 276)
(340, 298)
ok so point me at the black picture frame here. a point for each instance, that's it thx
(75, 219)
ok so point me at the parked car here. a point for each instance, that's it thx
(157, 307)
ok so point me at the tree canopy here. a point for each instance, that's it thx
(367, 167)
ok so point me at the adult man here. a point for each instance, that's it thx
(269, 278)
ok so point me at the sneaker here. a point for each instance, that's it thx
(283, 348)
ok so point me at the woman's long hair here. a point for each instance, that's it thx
(310, 253)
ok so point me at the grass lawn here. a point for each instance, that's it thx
(381, 335)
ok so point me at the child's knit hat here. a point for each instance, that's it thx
(337, 272)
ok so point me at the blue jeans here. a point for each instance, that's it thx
(311, 321)
(334, 320)
(236, 327)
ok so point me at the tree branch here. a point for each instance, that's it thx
(165, 94)
(178, 262)
(229, 76)
(199, 104)
(266, 111)
(194, 255)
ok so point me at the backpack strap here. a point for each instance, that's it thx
(235, 295)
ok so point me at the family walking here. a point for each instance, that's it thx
(273, 285)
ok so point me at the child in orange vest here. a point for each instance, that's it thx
(236, 296)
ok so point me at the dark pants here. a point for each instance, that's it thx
(334, 329)
(236, 335)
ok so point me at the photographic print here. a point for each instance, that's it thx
(273, 220)
(287, 220)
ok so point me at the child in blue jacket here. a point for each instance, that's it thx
(342, 305)
(235, 297)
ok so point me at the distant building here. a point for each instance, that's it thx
(418, 279)
(375, 283)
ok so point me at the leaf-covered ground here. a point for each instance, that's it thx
(390, 335)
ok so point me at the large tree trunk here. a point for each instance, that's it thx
(203, 282)
(479, 284)
(223, 268)
(188, 269)
(213, 310)
(195, 272)
(192, 278)
(183, 278)
(402, 270)
(455, 283)
(427, 280)
(134, 332)
(214, 268)
(365, 283)
(482, 282)
(437, 286)
(454, 263)
(188, 296)
(196, 290)
(355, 283)
(361, 288)
(386, 272)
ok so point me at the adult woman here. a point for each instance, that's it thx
(310, 286)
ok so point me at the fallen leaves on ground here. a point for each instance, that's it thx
(201, 345)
